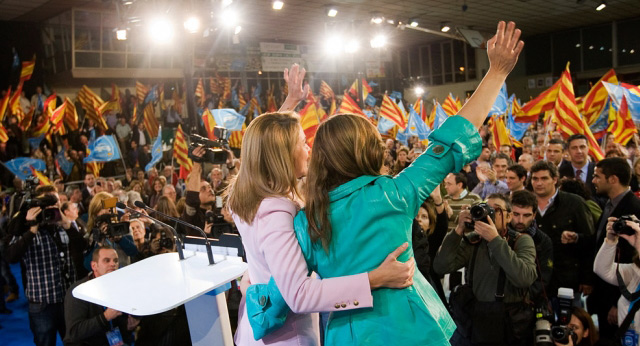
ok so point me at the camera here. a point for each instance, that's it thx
(546, 333)
(620, 225)
(114, 228)
(214, 149)
(165, 242)
(479, 212)
(42, 202)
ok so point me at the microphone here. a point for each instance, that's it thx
(141, 204)
(175, 234)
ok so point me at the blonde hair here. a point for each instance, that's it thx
(345, 147)
(95, 206)
(268, 165)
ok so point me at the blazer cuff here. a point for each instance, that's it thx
(357, 295)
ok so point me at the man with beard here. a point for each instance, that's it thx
(611, 181)
(524, 207)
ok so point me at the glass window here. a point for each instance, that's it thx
(628, 42)
(109, 40)
(160, 61)
(566, 48)
(113, 60)
(538, 54)
(436, 63)
(459, 65)
(404, 63)
(137, 61)
(87, 30)
(87, 59)
(447, 60)
(471, 62)
(597, 47)
(426, 68)
(414, 61)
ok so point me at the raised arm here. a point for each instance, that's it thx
(297, 92)
(503, 50)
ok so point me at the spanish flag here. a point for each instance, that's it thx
(27, 69)
(181, 153)
(43, 178)
(4, 104)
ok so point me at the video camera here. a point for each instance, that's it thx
(547, 333)
(214, 149)
(48, 215)
(479, 212)
(620, 225)
(115, 228)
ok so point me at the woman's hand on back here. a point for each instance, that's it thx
(392, 273)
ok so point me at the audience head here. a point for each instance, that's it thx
(454, 184)
(96, 208)
(555, 150)
(578, 149)
(527, 141)
(583, 327)
(89, 180)
(426, 218)
(575, 186)
(138, 231)
(505, 149)
(167, 172)
(515, 177)
(216, 175)
(140, 175)
(132, 198)
(402, 153)
(544, 177)
(526, 161)
(170, 192)
(485, 155)
(502, 206)
(500, 162)
(104, 260)
(524, 207)
(69, 210)
(611, 176)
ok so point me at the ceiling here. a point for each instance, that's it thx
(305, 21)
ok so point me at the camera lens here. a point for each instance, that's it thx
(478, 212)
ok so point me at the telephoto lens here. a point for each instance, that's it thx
(543, 333)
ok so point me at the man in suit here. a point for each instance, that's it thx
(555, 151)
(87, 190)
(580, 167)
(565, 218)
(611, 180)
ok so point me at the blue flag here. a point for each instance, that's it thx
(416, 126)
(65, 165)
(21, 166)
(403, 137)
(602, 123)
(235, 99)
(228, 118)
(384, 125)
(34, 142)
(257, 92)
(633, 101)
(156, 152)
(370, 100)
(517, 130)
(441, 116)
(104, 148)
(396, 95)
(500, 105)
(152, 95)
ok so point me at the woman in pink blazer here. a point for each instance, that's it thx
(263, 200)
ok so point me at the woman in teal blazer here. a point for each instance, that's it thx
(359, 216)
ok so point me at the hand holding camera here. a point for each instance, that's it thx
(627, 227)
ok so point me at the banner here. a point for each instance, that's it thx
(104, 148)
(156, 152)
(21, 166)
(228, 118)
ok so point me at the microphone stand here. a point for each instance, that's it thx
(141, 204)
(175, 234)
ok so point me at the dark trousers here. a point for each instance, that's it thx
(9, 279)
(45, 320)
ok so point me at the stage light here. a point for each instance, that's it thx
(376, 18)
(333, 45)
(378, 41)
(277, 5)
(229, 18)
(352, 46)
(391, 21)
(127, 3)
(413, 22)
(226, 3)
(237, 30)
(601, 6)
(332, 11)
(418, 90)
(444, 27)
(161, 30)
(192, 24)
(121, 34)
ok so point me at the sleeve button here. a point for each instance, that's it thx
(344, 305)
(337, 306)
(356, 303)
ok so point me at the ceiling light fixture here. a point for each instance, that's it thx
(379, 41)
(277, 5)
(413, 22)
(444, 27)
(332, 11)
(376, 18)
(418, 90)
(601, 6)
(121, 34)
(192, 24)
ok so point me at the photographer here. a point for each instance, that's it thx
(500, 267)
(627, 274)
(43, 243)
(200, 196)
(585, 332)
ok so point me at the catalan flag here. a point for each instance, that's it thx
(326, 91)
(271, 101)
(348, 105)
(4, 137)
(141, 91)
(214, 86)
(450, 105)
(200, 94)
(4, 104)
(593, 102)
(622, 128)
(27, 69)
(366, 89)
(309, 121)
(57, 117)
(209, 123)
(567, 118)
(150, 121)
(181, 152)
(542, 103)
(14, 103)
(41, 177)
(49, 105)
(391, 111)
(42, 127)
(432, 115)
(91, 103)
(235, 140)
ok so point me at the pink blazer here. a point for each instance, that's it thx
(272, 250)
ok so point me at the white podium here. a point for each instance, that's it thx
(163, 282)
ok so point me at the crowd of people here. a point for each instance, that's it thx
(371, 218)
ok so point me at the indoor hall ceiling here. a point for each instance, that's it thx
(305, 21)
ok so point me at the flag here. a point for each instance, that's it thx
(150, 121)
(617, 92)
(21, 166)
(181, 152)
(70, 114)
(500, 105)
(633, 88)
(271, 103)
(65, 165)
(432, 115)
(91, 102)
(599, 127)
(384, 125)
(209, 123)
(228, 118)
(214, 87)
(42, 127)
(103, 148)
(391, 111)
(309, 121)
(4, 104)
(593, 102)
(14, 102)
(41, 177)
(326, 91)
(416, 126)
(450, 106)
(141, 91)
(156, 153)
(177, 101)
(57, 117)
(200, 94)
(622, 128)
(4, 137)
(27, 69)
(516, 130)
(567, 118)
(441, 116)
(419, 108)
(348, 105)
(366, 89)
(500, 135)
(235, 140)
(542, 103)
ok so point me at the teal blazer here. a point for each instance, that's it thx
(371, 216)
